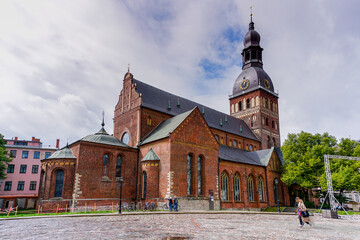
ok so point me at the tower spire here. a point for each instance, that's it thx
(103, 123)
(251, 24)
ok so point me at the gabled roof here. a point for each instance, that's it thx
(103, 137)
(259, 158)
(150, 156)
(156, 99)
(64, 153)
(166, 127)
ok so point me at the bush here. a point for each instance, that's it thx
(309, 204)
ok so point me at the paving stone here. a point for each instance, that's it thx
(179, 226)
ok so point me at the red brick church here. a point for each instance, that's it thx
(165, 145)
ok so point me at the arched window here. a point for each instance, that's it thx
(234, 143)
(217, 137)
(247, 103)
(271, 106)
(250, 189)
(268, 142)
(59, 182)
(251, 147)
(261, 190)
(276, 189)
(236, 182)
(224, 187)
(144, 183)
(189, 174)
(266, 103)
(240, 106)
(273, 124)
(266, 121)
(118, 166)
(199, 176)
(105, 165)
(148, 122)
(274, 142)
(125, 138)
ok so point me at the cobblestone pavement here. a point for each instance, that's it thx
(179, 226)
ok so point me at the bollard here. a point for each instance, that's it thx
(38, 209)
(16, 210)
(85, 207)
(57, 208)
(66, 208)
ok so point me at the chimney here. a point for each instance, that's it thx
(16, 138)
(57, 143)
(33, 139)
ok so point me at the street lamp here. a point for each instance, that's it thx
(121, 180)
(277, 193)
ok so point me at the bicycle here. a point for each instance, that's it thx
(165, 207)
(149, 206)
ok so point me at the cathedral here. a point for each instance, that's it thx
(164, 145)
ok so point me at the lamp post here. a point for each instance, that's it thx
(121, 179)
(277, 193)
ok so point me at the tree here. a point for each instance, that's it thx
(4, 158)
(304, 161)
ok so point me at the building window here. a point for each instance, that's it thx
(250, 189)
(144, 183)
(189, 174)
(357, 198)
(269, 142)
(47, 155)
(118, 166)
(32, 185)
(217, 138)
(236, 182)
(105, 165)
(7, 186)
(266, 103)
(251, 147)
(10, 168)
(148, 121)
(261, 190)
(199, 176)
(125, 138)
(25, 154)
(234, 143)
(273, 124)
(247, 103)
(35, 169)
(266, 121)
(274, 142)
(23, 168)
(20, 143)
(59, 182)
(36, 155)
(20, 186)
(276, 189)
(240, 106)
(12, 153)
(224, 187)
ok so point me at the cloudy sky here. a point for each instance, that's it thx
(62, 62)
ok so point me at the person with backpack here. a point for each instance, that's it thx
(303, 214)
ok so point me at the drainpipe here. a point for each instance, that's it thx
(267, 187)
(219, 188)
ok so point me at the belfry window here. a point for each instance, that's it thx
(148, 122)
(59, 182)
(267, 122)
(199, 176)
(189, 174)
(240, 106)
(266, 103)
(261, 190)
(247, 103)
(224, 187)
(236, 182)
(273, 124)
(250, 189)
(118, 166)
(105, 165)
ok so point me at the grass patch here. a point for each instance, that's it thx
(273, 209)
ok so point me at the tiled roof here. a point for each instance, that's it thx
(151, 155)
(64, 153)
(166, 127)
(104, 138)
(259, 158)
(159, 100)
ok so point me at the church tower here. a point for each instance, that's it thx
(253, 98)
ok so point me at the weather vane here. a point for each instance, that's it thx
(128, 67)
(103, 114)
(251, 12)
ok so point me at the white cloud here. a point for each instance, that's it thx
(62, 62)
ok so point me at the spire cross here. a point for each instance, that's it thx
(103, 124)
(251, 12)
(128, 67)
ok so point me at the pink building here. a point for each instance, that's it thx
(21, 186)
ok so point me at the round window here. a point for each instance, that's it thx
(125, 138)
(251, 147)
(234, 143)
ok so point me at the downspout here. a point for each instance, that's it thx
(218, 182)
(137, 176)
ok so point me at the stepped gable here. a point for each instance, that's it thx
(159, 100)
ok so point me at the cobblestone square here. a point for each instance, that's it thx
(179, 226)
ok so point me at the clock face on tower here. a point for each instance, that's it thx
(244, 84)
(267, 83)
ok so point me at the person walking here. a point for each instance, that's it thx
(303, 214)
(175, 204)
(170, 203)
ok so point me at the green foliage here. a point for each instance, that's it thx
(4, 158)
(304, 161)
